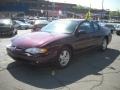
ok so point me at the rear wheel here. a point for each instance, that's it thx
(104, 44)
(63, 58)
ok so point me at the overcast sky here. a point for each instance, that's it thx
(108, 4)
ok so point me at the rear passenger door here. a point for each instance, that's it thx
(97, 34)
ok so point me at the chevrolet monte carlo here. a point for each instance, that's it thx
(58, 41)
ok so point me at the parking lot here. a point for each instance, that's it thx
(93, 70)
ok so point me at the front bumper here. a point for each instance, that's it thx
(6, 33)
(31, 59)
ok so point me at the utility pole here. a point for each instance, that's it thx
(90, 4)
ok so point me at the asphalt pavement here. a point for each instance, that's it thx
(93, 70)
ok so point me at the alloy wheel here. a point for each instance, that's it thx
(64, 58)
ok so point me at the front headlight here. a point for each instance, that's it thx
(36, 50)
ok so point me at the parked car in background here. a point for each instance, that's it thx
(31, 21)
(30, 26)
(39, 24)
(21, 25)
(108, 25)
(7, 28)
(101, 23)
(111, 27)
(43, 18)
(24, 20)
(58, 41)
(52, 18)
(118, 29)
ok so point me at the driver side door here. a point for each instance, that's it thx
(84, 38)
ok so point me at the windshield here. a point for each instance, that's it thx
(4, 22)
(61, 26)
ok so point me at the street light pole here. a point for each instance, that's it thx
(47, 2)
(102, 4)
(90, 4)
(102, 9)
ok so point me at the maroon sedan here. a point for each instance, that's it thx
(58, 41)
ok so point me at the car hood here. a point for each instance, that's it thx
(35, 39)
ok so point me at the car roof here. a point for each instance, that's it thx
(73, 19)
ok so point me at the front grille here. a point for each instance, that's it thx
(5, 32)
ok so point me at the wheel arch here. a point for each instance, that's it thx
(69, 47)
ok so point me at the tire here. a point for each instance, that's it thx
(104, 45)
(118, 32)
(16, 33)
(112, 31)
(63, 58)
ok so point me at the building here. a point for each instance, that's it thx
(34, 7)
(45, 8)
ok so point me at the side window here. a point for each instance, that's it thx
(96, 27)
(85, 26)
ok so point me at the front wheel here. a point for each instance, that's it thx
(63, 58)
(104, 44)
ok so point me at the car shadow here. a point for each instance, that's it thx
(89, 63)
